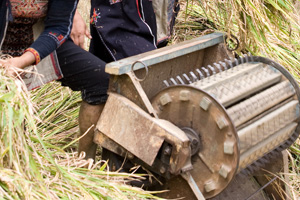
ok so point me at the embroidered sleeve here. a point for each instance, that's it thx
(58, 26)
(36, 55)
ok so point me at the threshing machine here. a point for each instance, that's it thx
(193, 114)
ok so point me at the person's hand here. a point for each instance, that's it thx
(9, 68)
(14, 65)
(79, 30)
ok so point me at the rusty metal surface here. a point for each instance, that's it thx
(128, 125)
(142, 135)
(141, 93)
(216, 162)
(107, 143)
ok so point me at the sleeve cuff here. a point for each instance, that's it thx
(36, 55)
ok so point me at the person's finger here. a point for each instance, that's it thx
(81, 41)
(88, 34)
(2, 62)
(76, 40)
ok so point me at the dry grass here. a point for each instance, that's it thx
(37, 158)
(266, 28)
(37, 139)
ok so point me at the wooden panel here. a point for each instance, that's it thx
(164, 54)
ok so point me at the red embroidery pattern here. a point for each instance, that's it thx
(58, 37)
(29, 8)
(95, 17)
(114, 1)
(54, 34)
(35, 53)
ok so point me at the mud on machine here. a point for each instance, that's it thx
(197, 117)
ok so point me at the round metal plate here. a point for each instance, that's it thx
(216, 162)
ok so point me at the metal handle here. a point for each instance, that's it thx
(146, 68)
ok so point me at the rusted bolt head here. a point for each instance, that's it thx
(222, 122)
(210, 186)
(224, 171)
(130, 155)
(228, 147)
(162, 170)
(184, 95)
(205, 103)
(165, 99)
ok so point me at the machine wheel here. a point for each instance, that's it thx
(213, 138)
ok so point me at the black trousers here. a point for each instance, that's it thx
(83, 72)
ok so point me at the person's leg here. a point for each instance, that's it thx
(85, 72)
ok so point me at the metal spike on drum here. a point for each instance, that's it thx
(230, 88)
(261, 102)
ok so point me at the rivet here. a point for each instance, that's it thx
(167, 151)
(130, 155)
(205, 103)
(184, 95)
(165, 99)
(162, 170)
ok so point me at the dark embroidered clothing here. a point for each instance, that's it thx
(19, 36)
(58, 23)
(122, 28)
(29, 9)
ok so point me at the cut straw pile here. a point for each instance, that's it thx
(37, 161)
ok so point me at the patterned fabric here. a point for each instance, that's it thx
(166, 12)
(95, 16)
(29, 8)
(123, 29)
(36, 55)
(114, 1)
(19, 36)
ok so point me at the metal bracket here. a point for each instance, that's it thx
(188, 177)
(141, 92)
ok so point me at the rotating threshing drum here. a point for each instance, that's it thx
(260, 97)
(234, 112)
(242, 112)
